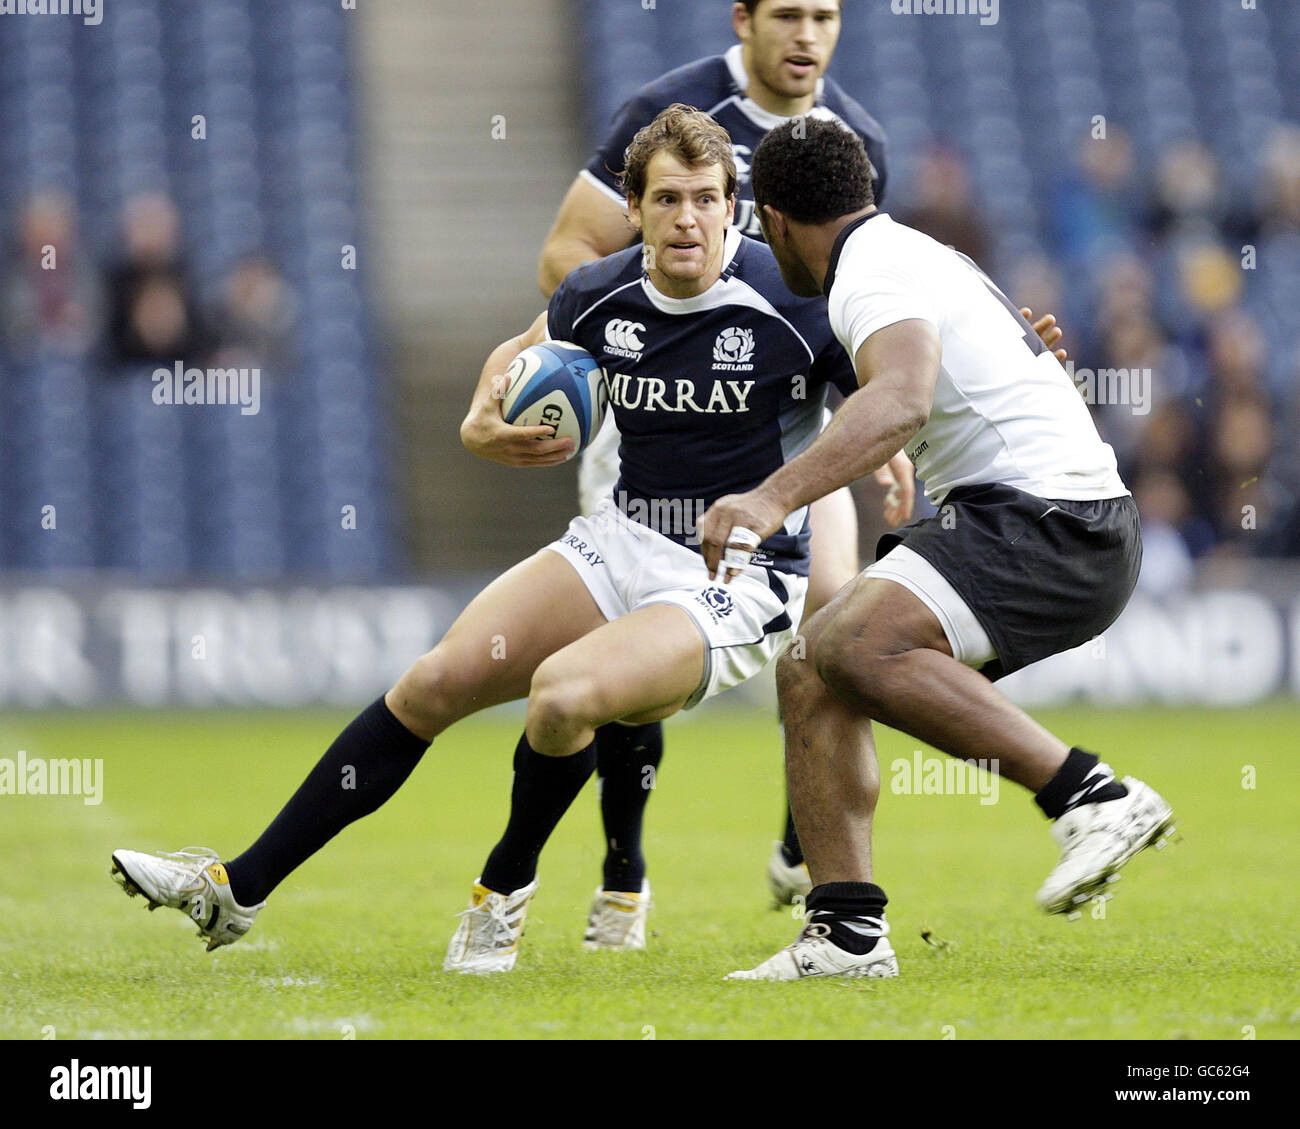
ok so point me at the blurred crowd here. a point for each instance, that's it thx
(1193, 288)
(1156, 267)
(139, 306)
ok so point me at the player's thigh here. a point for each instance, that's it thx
(490, 653)
(641, 667)
(870, 619)
(834, 549)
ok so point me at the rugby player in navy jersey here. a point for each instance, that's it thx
(775, 71)
(617, 620)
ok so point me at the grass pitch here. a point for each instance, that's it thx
(1199, 942)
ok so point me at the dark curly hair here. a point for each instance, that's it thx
(813, 171)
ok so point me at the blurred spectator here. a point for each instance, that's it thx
(1279, 209)
(1209, 280)
(942, 206)
(154, 317)
(1240, 447)
(1166, 510)
(256, 316)
(1157, 374)
(1189, 195)
(1236, 350)
(49, 299)
(1095, 207)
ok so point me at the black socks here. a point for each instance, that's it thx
(627, 758)
(364, 766)
(543, 789)
(1082, 779)
(790, 849)
(854, 912)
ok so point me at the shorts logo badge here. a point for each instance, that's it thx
(717, 600)
(733, 349)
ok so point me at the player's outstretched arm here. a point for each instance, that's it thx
(589, 226)
(486, 433)
(897, 369)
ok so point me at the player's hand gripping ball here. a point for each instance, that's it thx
(556, 384)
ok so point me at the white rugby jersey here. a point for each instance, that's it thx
(1005, 410)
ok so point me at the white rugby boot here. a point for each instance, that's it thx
(1097, 839)
(790, 885)
(487, 939)
(193, 881)
(815, 954)
(617, 920)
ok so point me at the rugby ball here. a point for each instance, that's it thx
(559, 385)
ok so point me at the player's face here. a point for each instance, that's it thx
(788, 45)
(796, 276)
(683, 217)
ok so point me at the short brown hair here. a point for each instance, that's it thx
(686, 133)
(752, 5)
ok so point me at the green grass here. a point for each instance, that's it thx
(1200, 941)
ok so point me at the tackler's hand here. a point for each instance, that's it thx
(733, 528)
(1047, 330)
(899, 479)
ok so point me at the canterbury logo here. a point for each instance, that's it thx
(621, 337)
(217, 873)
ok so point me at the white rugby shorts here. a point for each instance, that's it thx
(626, 566)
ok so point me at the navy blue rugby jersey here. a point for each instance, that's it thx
(717, 85)
(711, 394)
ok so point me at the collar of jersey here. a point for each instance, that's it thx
(750, 108)
(667, 305)
(837, 248)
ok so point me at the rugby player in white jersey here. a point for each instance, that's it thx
(1035, 550)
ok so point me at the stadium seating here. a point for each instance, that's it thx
(106, 112)
(1014, 95)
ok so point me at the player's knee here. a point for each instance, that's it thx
(852, 667)
(427, 691)
(795, 672)
(558, 702)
